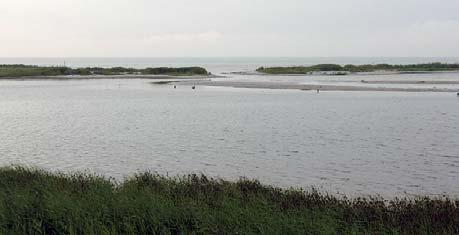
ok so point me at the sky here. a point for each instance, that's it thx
(228, 28)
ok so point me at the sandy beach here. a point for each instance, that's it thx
(409, 82)
(321, 87)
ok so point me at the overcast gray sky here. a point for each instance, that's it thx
(160, 28)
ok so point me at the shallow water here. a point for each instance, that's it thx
(448, 80)
(356, 143)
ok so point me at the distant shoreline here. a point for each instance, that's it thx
(21, 71)
(92, 77)
(336, 69)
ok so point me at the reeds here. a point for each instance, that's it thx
(38, 202)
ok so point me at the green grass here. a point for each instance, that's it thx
(39, 202)
(19, 70)
(429, 67)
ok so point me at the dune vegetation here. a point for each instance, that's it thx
(342, 70)
(20, 70)
(38, 202)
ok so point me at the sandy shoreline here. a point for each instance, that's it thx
(322, 87)
(334, 73)
(408, 82)
(204, 80)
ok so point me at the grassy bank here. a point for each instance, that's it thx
(36, 202)
(430, 67)
(20, 70)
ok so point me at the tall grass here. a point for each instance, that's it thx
(38, 202)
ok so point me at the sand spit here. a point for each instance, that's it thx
(277, 85)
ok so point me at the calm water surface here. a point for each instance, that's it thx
(351, 142)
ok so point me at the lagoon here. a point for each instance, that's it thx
(356, 143)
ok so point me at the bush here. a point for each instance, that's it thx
(30, 70)
(360, 68)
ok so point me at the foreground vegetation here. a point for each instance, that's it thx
(39, 202)
(431, 67)
(20, 70)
